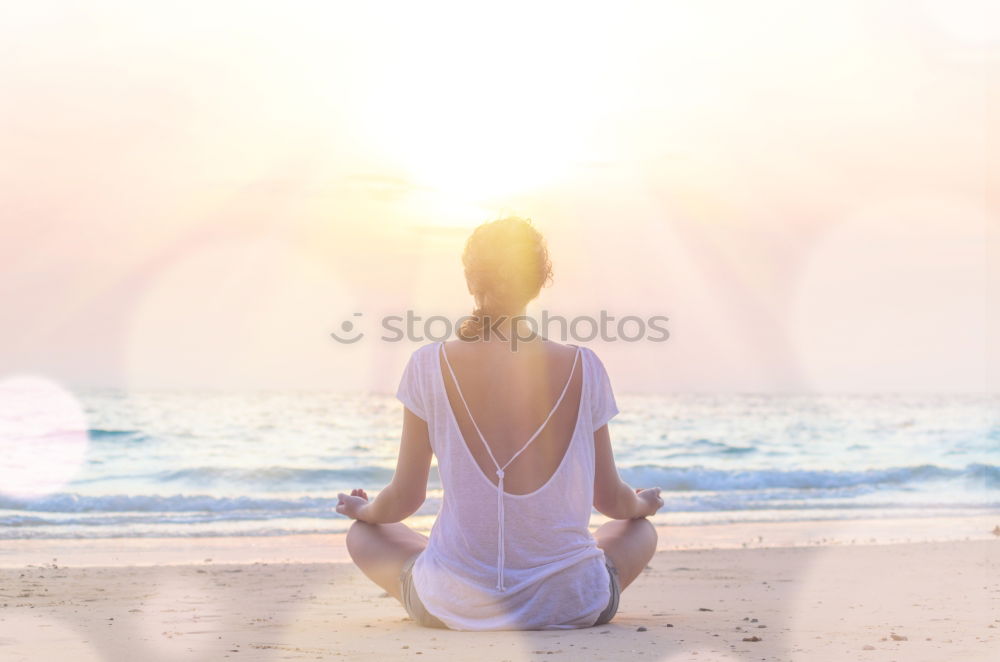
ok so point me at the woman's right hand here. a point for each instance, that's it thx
(351, 504)
(650, 500)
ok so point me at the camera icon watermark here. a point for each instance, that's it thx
(349, 336)
(516, 329)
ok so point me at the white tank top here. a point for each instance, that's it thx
(499, 561)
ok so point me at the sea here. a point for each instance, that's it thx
(155, 464)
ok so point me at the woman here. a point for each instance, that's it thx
(521, 438)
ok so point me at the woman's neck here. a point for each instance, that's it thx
(504, 328)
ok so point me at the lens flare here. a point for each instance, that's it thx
(43, 436)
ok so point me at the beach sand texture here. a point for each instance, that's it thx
(912, 602)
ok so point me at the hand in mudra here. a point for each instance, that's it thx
(350, 504)
(651, 498)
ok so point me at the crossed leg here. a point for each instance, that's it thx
(380, 550)
(630, 544)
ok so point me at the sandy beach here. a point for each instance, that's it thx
(296, 598)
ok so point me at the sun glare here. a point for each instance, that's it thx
(473, 142)
(485, 114)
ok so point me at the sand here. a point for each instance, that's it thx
(211, 600)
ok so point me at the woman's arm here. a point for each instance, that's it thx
(613, 497)
(406, 492)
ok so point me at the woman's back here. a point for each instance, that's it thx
(511, 548)
(510, 394)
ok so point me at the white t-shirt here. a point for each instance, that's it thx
(499, 561)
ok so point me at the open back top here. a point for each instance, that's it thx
(497, 560)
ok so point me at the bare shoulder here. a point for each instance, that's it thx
(563, 355)
(456, 348)
(547, 351)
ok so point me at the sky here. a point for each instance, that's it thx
(195, 195)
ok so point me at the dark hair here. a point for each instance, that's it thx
(506, 264)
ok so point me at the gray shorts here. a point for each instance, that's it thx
(415, 608)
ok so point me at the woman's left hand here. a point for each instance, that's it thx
(351, 504)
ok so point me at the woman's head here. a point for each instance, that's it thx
(506, 264)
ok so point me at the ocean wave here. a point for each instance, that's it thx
(281, 479)
(110, 435)
(683, 479)
(202, 516)
(705, 448)
(259, 479)
(724, 489)
(291, 477)
(178, 503)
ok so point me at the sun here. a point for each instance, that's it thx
(479, 116)
(471, 146)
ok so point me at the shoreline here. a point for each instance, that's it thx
(330, 548)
